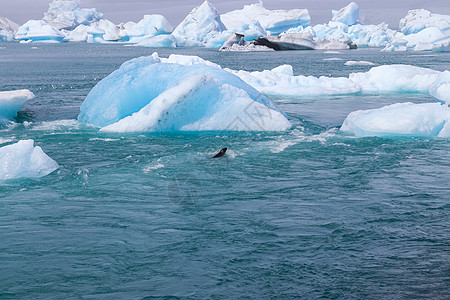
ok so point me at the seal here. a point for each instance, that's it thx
(221, 153)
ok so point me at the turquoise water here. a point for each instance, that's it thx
(309, 213)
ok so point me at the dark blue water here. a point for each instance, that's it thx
(309, 213)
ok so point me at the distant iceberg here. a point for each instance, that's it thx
(272, 21)
(24, 160)
(39, 31)
(200, 27)
(11, 102)
(181, 93)
(348, 15)
(7, 29)
(422, 30)
(66, 14)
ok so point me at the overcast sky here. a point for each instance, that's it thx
(371, 11)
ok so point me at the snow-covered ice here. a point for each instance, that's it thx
(11, 102)
(24, 160)
(153, 94)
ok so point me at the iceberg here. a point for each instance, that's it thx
(39, 31)
(348, 15)
(273, 21)
(7, 29)
(11, 102)
(395, 78)
(153, 94)
(344, 25)
(422, 30)
(24, 160)
(440, 88)
(200, 26)
(66, 14)
(148, 27)
(400, 119)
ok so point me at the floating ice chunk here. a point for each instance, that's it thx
(11, 102)
(23, 160)
(359, 63)
(7, 29)
(159, 41)
(440, 89)
(274, 21)
(39, 31)
(281, 81)
(173, 86)
(201, 103)
(66, 14)
(395, 78)
(348, 15)
(201, 25)
(401, 119)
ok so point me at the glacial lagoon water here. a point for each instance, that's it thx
(309, 213)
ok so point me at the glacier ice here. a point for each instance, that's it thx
(153, 94)
(66, 14)
(11, 102)
(24, 160)
(304, 41)
(39, 31)
(422, 30)
(440, 88)
(159, 41)
(272, 21)
(7, 29)
(202, 24)
(348, 15)
(400, 119)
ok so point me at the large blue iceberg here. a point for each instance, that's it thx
(147, 94)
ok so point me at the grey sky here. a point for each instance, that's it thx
(371, 11)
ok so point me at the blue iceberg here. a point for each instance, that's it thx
(146, 94)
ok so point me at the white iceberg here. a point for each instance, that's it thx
(440, 88)
(273, 21)
(344, 25)
(422, 30)
(148, 27)
(153, 94)
(39, 31)
(348, 15)
(66, 14)
(200, 26)
(24, 160)
(11, 102)
(359, 63)
(100, 32)
(400, 119)
(395, 78)
(7, 29)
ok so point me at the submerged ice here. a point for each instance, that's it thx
(153, 94)
(24, 160)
